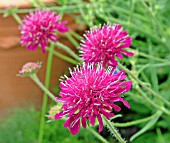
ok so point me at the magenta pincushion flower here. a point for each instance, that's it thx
(89, 93)
(103, 44)
(39, 28)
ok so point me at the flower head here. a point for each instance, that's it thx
(89, 93)
(53, 111)
(30, 68)
(104, 44)
(39, 29)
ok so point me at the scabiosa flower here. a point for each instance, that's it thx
(39, 28)
(103, 44)
(30, 68)
(89, 93)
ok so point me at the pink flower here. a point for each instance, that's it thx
(104, 44)
(89, 93)
(39, 28)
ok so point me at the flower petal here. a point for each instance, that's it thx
(100, 123)
(84, 119)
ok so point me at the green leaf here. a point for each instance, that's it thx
(164, 124)
(160, 136)
(139, 108)
(147, 126)
(145, 138)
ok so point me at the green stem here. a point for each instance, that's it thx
(143, 67)
(145, 78)
(59, 9)
(38, 82)
(116, 116)
(127, 124)
(68, 50)
(61, 56)
(152, 65)
(77, 36)
(45, 97)
(131, 10)
(103, 140)
(72, 40)
(160, 64)
(17, 18)
(152, 57)
(34, 3)
(114, 131)
(144, 86)
(152, 103)
(147, 127)
(112, 118)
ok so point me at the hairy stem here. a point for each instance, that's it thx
(39, 83)
(103, 140)
(113, 130)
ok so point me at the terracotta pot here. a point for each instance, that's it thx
(16, 91)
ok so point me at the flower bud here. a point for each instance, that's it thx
(30, 68)
(53, 111)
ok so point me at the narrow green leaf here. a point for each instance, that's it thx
(147, 126)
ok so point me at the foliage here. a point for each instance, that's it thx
(22, 126)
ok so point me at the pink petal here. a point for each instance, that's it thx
(60, 115)
(115, 107)
(92, 120)
(125, 103)
(61, 27)
(84, 119)
(119, 55)
(106, 114)
(100, 123)
(75, 127)
(127, 53)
